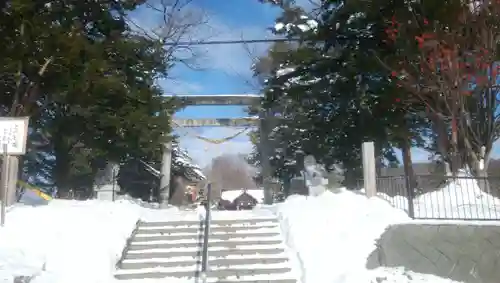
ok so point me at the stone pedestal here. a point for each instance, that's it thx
(106, 192)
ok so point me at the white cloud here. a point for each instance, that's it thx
(203, 152)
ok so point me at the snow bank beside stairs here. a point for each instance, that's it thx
(66, 241)
(334, 234)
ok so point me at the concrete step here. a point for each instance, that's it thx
(195, 253)
(213, 229)
(159, 237)
(240, 251)
(229, 244)
(210, 258)
(220, 274)
(213, 222)
(258, 281)
(242, 247)
(213, 263)
(144, 241)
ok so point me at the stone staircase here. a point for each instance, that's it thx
(240, 251)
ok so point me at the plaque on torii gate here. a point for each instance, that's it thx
(221, 122)
(220, 100)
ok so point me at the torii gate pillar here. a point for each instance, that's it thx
(265, 154)
(165, 171)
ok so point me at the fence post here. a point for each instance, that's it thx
(369, 170)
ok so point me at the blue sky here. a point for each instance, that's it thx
(220, 69)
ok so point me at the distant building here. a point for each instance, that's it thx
(245, 201)
(240, 199)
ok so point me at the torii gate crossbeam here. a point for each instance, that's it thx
(220, 100)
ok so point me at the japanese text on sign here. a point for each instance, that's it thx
(13, 132)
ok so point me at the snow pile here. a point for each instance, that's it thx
(332, 236)
(461, 198)
(65, 241)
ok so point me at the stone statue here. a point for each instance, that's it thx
(315, 176)
(105, 182)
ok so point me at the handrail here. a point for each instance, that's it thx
(204, 257)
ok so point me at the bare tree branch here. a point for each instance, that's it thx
(180, 21)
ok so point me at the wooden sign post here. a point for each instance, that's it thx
(13, 136)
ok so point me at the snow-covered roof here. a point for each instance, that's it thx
(231, 195)
(181, 159)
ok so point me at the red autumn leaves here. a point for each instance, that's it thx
(392, 31)
(464, 69)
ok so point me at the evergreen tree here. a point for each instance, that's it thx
(333, 95)
(89, 85)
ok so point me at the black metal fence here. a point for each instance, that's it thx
(443, 197)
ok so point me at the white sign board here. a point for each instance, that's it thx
(13, 132)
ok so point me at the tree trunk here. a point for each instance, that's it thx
(286, 186)
(62, 167)
(408, 167)
(410, 181)
(455, 154)
(482, 174)
(439, 128)
(482, 180)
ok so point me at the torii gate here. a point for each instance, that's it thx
(222, 100)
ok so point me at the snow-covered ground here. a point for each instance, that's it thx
(65, 241)
(460, 199)
(330, 237)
